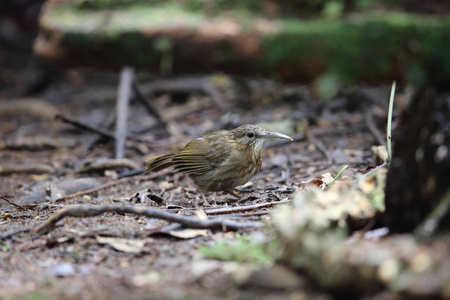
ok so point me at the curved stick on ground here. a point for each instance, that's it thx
(228, 210)
(91, 211)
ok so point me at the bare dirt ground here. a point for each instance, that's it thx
(73, 261)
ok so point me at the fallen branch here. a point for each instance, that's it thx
(227, 210)
(83, 211)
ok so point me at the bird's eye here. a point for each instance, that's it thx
(250, 134)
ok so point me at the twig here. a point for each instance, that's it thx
(370, 123)
(112, 183)
(12, 233)
(109, 122)
(244, 215)
(373, 171)
(12, 203)
(227, 210)
(83, 126)
(147, 104)
(324, 150)
(433, 219)
(123, 98)
(91, 211)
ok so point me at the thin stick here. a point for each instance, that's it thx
(12, 233)
(91, 211)
(12, 203)
(320, 145)
(87, 127)
(373, 127)
(433, 219)
(151, 110)
(389, 123)
(84, 126)
(123, 98)
(372, 171)
(227, 210)
(112, 183)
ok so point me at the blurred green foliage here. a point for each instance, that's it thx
(305, 8)
(329, 46)
(242, 249)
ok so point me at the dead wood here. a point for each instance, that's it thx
(88, 127)
(227, 210)
(123, 98)
(151, 110)
(112, 183)
(13, 233)
(370, 123)
(84, 211)
(12, 203)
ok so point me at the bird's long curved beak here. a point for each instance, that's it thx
(275, 135)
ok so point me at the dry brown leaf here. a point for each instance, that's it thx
(124, 245)
(188, 233)
(201, 215)
(322, 182)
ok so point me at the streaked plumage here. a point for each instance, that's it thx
(220, 160)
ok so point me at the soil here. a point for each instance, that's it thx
(71, 262)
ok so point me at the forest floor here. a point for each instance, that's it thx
(45, 161)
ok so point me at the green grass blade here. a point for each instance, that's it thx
(389, 123)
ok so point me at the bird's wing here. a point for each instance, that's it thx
(198, 157)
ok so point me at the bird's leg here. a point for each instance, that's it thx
(232, 193)
(206, 201)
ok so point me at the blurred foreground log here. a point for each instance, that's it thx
(312, 238)
(418, 183)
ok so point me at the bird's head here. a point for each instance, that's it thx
(253, 135)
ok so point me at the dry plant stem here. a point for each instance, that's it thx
(227, 210)
(83, 211)
(123, 98)
(370, 123)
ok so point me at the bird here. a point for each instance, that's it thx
(219, 160)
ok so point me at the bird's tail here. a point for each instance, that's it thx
(159, 163)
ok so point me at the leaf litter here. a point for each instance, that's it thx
(116, 246)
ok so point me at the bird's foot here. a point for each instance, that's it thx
(232, 193)
(207, 204)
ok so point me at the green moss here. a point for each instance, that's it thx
(243, 249)
(370, 47)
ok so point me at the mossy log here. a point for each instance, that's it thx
(172, 38)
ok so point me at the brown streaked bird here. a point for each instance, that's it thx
(220, 160)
